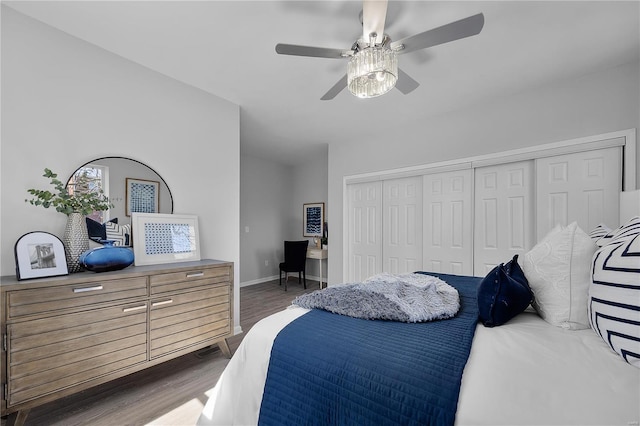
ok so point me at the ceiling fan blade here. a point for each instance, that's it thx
(454, 31)
(337, 88)
(374, 13)
(316, 52)
(406, 84)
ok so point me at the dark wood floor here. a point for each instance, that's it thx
(172, 393)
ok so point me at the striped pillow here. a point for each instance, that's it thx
(119, 234)
(631, 228)
(614, 293)
(598, 233)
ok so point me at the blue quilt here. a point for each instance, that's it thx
(329, 369)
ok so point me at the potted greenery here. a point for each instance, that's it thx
(78, 198)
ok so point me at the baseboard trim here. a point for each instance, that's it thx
(258, 281)
(275, 277)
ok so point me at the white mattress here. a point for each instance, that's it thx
(525, 372)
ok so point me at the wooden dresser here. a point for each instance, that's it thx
(64, 334)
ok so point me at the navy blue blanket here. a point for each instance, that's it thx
(329, 369)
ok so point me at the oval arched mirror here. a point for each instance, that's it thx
(131, 186)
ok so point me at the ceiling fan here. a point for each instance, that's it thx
(373, 65)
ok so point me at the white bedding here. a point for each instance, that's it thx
(525, 372)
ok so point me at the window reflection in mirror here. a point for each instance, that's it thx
(91, 178)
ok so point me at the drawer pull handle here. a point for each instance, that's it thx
(195, 274)
(84, 289)
(134, 308)
(164, 302)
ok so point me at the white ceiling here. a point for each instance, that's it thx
(227, 48)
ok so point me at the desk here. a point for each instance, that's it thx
(316, 253)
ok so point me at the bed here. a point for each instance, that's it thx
(526, 371)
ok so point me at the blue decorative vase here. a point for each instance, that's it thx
(106, 258)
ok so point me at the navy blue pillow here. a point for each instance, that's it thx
(503, 294)
(96, 230)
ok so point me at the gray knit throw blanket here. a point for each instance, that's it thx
(403, 297)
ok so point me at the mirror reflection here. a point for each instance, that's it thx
(130, 185)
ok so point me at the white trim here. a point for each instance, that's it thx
(550, 151)
(345, 232)
(275, 278)
(258, 281)
(624, 138)
(445, 166)
(629, 161)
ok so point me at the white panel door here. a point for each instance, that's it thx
(365, 230)
(447, 238)
(583, 187)
(402, 225)
(504, 209)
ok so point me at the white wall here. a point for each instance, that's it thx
(271, 206)
(65, 102)
(265, 209)
(592, 104)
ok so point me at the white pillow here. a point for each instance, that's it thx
(614, 294)
(558, 271)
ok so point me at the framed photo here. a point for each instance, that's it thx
(313, 219)
(142, 196)
(164, 238)
(39, 255)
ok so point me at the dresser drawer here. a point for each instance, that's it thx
(34, 301)
(177, 281)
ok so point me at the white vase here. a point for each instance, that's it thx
(76, 241)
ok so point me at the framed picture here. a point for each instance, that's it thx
(39, 255)
(142, 196)
(313, 219)
(164, 238)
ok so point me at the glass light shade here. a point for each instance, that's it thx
(372, 72)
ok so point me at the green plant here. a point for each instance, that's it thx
(80, 195)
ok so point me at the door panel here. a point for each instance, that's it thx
(503, 213)
(365, 230)
(447, 222)
(583, 187)
(402, 225)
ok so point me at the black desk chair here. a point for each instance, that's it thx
(295, 260)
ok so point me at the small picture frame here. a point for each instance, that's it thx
(164, 238)
(142, 196)
(313, 219)
(39, 255)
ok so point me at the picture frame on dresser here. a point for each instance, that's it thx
(142, 196)
(39, 255)
(164, 238)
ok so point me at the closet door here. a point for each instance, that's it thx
(584, 187)
(504, 214)
(365, 230)
(447, 237)
(402, 225)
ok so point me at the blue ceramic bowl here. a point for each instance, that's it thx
(106, 258)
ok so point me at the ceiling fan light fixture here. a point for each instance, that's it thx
(372, 71)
